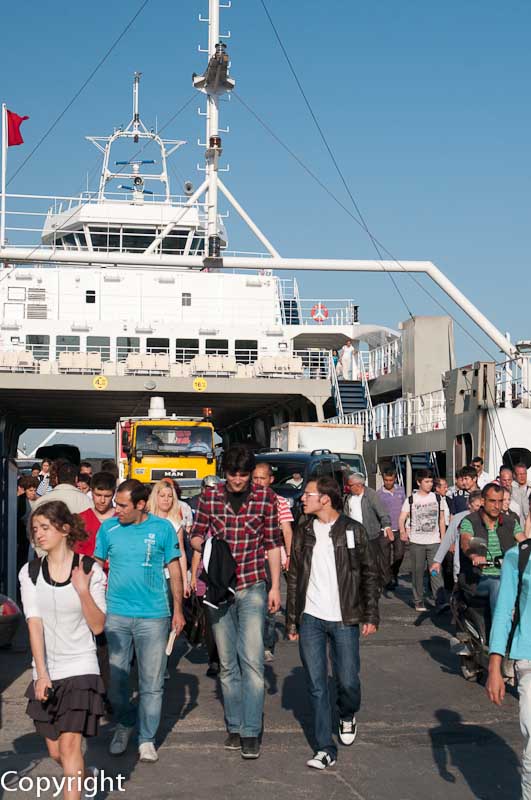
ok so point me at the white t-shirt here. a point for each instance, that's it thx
(424, 518)
(354, 507)
(69, 645)
(322, 596)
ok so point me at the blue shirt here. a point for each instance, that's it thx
(501, 624)
(137, 555)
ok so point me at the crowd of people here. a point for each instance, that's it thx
(108, 566)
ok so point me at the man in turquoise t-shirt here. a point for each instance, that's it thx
(138, 546)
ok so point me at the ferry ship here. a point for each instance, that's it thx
(132, 291)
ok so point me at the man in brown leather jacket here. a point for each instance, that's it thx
(333, 588)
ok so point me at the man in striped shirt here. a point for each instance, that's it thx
(263, 476)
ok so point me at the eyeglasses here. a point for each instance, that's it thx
(311, 494)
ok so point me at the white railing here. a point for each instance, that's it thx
(328, 312)
(119, 360)
(336, 394)
(28, 217)
(513, 383)
(385, 359)
(402, 417)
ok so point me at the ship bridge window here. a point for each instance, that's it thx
(99, 344)
(175, 242)
(217, 347)
(157, 346)
(126, 345)
(246, 350)
(81, 239)
(105, 238)
(39, 346)
(186, 299)
(197, 248)
(136, 240)
(67, 344)
(90, 296)
(70, 240)
(185, 350)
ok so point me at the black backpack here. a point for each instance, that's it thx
(34, 567)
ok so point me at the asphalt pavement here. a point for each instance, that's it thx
(424, 732)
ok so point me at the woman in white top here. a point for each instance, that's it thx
(64, 604)
(163, 502)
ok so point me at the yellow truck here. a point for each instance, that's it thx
(159, 446)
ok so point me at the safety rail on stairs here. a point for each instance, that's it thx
(402, 417)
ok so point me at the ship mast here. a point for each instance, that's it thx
(215, 82)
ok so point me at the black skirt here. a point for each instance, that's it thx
(76, 707)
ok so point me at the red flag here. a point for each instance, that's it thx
(13, 128)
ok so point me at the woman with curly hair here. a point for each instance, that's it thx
(163, 502)
(63, 596)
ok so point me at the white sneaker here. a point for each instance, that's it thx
(120, 740)
(321, 760)
(147, 752)
(347, 731)
(92, 790)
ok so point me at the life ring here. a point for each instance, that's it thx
(319, 313)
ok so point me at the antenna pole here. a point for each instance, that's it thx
(213, 141)
(136, 114)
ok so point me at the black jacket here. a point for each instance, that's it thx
(358, 584)
(219, 572)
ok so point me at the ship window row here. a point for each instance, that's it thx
(132, 240)
(183, 351)
(90, 298)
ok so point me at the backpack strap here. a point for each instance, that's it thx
(524, 551)
(85, 561)
(34, 568)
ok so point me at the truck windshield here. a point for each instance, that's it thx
(174, 440)
(288, 474)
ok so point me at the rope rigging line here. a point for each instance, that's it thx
(362, 220)
(379, 247)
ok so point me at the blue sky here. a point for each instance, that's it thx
(425, 105)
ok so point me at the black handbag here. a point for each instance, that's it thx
(194, 614)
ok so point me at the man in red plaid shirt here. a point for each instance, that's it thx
(246, 517)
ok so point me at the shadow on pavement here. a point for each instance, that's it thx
(491, 770)
(295, 699)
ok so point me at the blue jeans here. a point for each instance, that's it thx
(314, 636)
(149, 637)
(489, 586)
(238, 629)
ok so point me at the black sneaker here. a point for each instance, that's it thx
(347, 731)
(232, 742)
(250, 747)
(213, 669)
(321, 760)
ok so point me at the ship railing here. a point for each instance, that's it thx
(324, 312)
(121, 360)
(513, 383)
(28, 216)
(403, 417)
(385, 359)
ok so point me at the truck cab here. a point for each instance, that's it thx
(181, 448)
